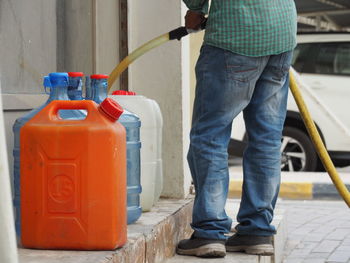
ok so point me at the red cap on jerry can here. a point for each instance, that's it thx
(111, 108)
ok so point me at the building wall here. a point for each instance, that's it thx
(162, 74)
(196, 41)
(75, 42)
(27, 44)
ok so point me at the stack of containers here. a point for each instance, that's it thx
(58, 84)
(151, 137)
(132, 124)
(73, 185)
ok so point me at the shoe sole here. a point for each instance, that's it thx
(206, 251)
(263, 249)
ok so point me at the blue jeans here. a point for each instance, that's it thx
(228, 83)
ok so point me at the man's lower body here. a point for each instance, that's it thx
(227, 84)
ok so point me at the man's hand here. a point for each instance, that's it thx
(193, 20)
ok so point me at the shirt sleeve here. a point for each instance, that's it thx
(197, 5)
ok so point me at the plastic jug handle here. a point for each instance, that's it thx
(54, 106)
(47, 92)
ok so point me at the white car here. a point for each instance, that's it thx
(322, 61)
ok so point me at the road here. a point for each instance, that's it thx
(236, 164)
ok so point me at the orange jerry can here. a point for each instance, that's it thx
(73, 178)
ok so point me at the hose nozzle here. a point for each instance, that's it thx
(180, 32)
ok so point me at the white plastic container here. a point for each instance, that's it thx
(159, 172)
(151, 144)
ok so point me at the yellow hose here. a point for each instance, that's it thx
(133, 56)
(318, 143)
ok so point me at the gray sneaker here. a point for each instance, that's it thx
(200, 247)
(257, 245)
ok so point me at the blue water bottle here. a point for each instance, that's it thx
(132, 125)
(58, 83)
(88, 89)
(75, 85)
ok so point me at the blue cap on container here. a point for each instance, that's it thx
(47, 82)
(58, 79)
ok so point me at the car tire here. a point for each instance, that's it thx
(298, 153)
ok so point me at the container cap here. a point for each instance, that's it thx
(58, 79)
(75, 74)
(99, 76)
(111, 108)
(120, 92)
(124, 92)
(46, 82)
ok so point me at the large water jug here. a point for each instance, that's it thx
(73, 185)
(88, 89)
(151, 139)
(57, 82)
(132, 124)
(75, 85)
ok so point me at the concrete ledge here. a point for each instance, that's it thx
(22, 101)
(156, 234)
(152, 239)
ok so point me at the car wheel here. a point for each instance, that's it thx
(297, 151)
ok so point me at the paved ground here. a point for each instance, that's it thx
(318, 232)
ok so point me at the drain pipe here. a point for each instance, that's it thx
(8, 248)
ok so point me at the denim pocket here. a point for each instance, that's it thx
(241, 68)
(281, 70)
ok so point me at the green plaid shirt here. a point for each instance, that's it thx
(249, 27)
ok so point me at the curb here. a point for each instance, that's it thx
(295, 190)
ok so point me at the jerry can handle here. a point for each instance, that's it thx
(54, 106)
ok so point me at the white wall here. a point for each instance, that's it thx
(106, 39)
(162, 75)
(75, 33)
(28, 44)
(196, 41)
